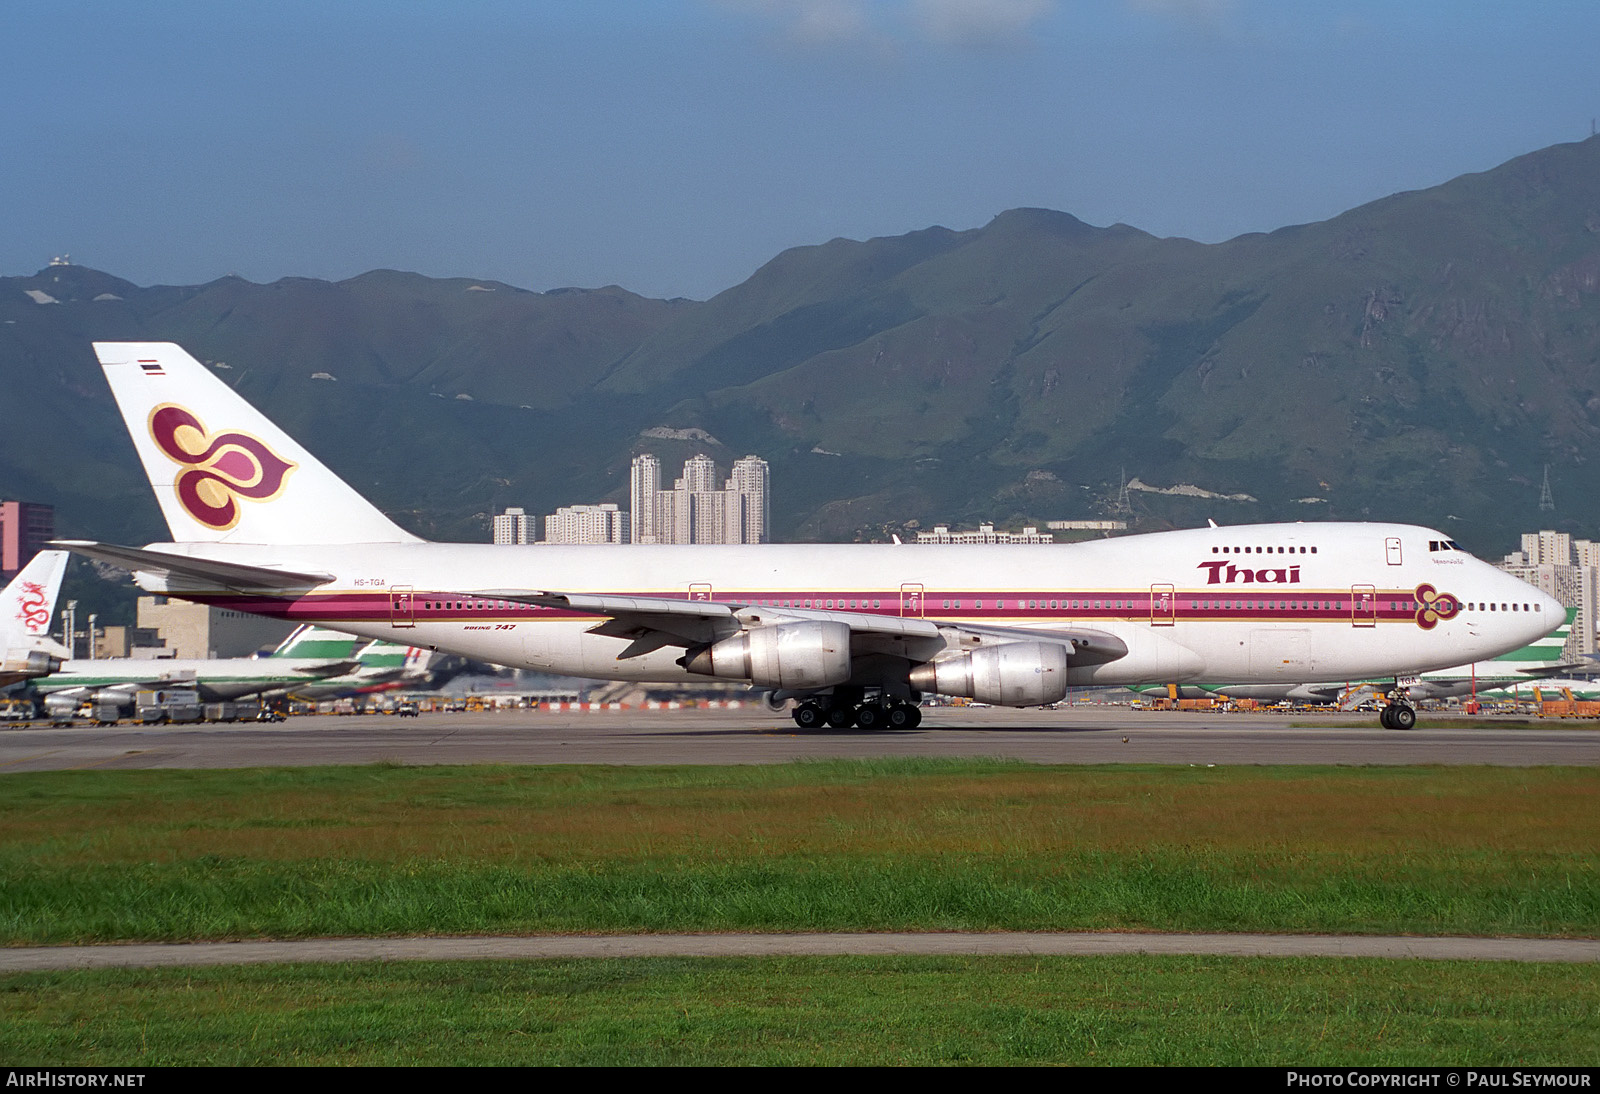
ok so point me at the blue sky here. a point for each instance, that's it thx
(673, 147)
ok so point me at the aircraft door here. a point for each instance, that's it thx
(1363, 606)
(699, 590)
(911, 599)
(1391, 550)
(402, 606)
(1163, 606)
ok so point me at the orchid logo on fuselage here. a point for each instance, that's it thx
(1434, 606)
(218, 469)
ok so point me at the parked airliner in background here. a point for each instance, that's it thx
(379, 666)
(857, 633)
(1540, 658)
(118, 680)
(1551, 690)
(26, 607)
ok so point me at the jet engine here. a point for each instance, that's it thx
(29, 663)
(795, 656)
(62, 704)
(1017, 674)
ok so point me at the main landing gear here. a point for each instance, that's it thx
(870, 714)
(1398, 715)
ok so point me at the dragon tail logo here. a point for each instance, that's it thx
(31, 608)
(218, 469)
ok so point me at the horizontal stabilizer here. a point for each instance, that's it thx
(189, 568)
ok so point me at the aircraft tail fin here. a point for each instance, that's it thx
(1542, 654)
(27, 606)
(221, 470)
(382, 655)
(309, 642)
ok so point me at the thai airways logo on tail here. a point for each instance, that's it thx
(220, 468)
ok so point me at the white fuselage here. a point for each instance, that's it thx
(215, 678)
(1262, 603)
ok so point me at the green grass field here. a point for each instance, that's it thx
(894, 844)
(837, 1010)
(905, 844)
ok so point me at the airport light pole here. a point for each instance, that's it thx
(69, 623)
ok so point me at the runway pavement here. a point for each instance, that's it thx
(1082, 735)
(1030, 943)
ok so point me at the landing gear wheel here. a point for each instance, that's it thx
(840, 717)
(1398, 716)
(870, 716)
(904, 716)
(809, 716)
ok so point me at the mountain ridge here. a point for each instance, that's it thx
(1420, 357)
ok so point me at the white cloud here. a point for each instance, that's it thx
(977, 22)
(885, 24)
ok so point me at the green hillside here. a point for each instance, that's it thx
(1420, 358)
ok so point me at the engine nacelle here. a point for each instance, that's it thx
(1017, 674)
(30, 663)
(794, 656)
(61, 704)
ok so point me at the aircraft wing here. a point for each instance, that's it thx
(651, 622)
(654, 622)
(212, 572)
(319, 670)
(1557, 670)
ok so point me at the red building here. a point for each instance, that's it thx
(25, 527)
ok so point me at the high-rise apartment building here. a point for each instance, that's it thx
(749, 482)
(1569, 570)
(25, 527)
(514, 526)
(586, 524)
(695, 510)
(644, 485)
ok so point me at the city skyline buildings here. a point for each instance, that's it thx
(1569, 570)
(695, 509)
(586, 524)
(569, 524)
(513, 526)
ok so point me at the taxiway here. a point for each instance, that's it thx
(1086, 735)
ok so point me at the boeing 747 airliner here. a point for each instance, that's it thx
(856, 633)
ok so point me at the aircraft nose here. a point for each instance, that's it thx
(1548, 614)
